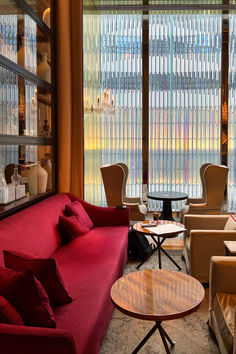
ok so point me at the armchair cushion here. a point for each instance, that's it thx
(77, 209)
(45, 270)
(28, 296)
(231, 223)
(8, 313)
(224, 309)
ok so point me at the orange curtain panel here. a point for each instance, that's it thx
(70, 96)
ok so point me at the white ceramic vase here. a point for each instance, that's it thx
(48, 168)
(37, 180)
(44, 70)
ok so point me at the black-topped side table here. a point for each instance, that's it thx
(167, 197)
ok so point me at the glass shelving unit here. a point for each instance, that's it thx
(27, 103)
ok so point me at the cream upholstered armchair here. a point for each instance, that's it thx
(205, 238)
(222, 302)
(114, 180)
(214, 181)
(127, 199)
(201, 199)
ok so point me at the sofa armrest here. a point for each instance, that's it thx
(205, 222)
(204, 244)
(104, 216)
(222, 277)
(35, 340)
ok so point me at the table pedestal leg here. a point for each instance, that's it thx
(159, 251)
(166, 213)
(163, 335)
(170, 258)
(159, 248)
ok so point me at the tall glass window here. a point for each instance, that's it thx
(113, 99)
(185, 99)
(191, 119)
(232, 115)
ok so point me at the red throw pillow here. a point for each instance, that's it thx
(71, 227)
(28, 297)
(8, 313)
(45, 270)
(77, 209)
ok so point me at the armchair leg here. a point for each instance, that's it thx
(212, 334)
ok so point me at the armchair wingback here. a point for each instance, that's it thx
(201, 199)
(214, 181)
(114, 180)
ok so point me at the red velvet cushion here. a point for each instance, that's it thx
(28, 297)
(8, 314)
(71, 227)
(45, 270)
(77, 209)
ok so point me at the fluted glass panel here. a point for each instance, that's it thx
(185, 100)
(232, 115)
(9, 100)
(113, 98)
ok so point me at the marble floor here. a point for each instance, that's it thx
(190, 333)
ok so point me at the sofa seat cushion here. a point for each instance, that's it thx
(90, 264)
(224, 309)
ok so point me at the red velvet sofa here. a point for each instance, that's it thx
(89, 265)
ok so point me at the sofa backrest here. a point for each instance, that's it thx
(34, 231)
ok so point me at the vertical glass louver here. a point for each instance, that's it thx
(232, 115)
(185, 99)
(113, 98)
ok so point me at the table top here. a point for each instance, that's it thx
(145, 231)
(231, 246)
(157, 294)
(168, 195)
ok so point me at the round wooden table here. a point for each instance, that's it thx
(167, 197)
(158, 239)
(158, 295)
